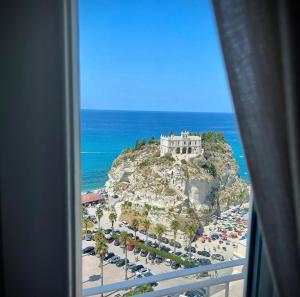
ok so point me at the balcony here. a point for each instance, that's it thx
(214, 285)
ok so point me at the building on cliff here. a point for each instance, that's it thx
(185, 145)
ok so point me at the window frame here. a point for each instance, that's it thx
(62, 15)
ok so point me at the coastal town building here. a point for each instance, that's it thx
(91, 199)
(183, 145)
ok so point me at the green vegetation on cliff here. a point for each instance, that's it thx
(208, 180)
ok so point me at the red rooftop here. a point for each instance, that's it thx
(91, 198)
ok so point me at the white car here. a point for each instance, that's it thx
(168, 262)
(142, 271)
(124, 223)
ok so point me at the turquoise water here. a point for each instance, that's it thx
(105, 134)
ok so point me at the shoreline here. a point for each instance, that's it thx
(95, 191)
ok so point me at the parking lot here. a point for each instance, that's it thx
(112, 273)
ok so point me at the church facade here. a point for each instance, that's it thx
(183, 145)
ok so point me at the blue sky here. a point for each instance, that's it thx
(151, 55)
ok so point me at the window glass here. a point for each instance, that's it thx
(164, 180)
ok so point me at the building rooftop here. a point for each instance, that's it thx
(183, 135)
(91, 197)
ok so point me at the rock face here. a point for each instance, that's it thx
(205, 182)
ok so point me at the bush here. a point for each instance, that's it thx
(161, 253)
(139, 290)
(168, 157)
(211, 169)
(145, 163)
(152, 140)
(151, 249)
(183, 161)
(212, 137)
(127, 150)
(140, 144)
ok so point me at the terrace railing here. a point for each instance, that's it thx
(205, 283)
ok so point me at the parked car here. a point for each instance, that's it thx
(89, 237)
(88, 249)
(93, 253)
(203, 253)
(168, 262)
(178, 253)
(117, 242)
(143, 271)
(107, 231)
(203, 274)
(154, 284)
(165, 240)
(108, 256)
(143, 231)
(193, 249)
(115, 196)
(116, 232)
(110, 239)
(144, 253)
(151, 235)
(217, 257)
(151, 256)
(130, 265)
(155, 245)
(159, 259)
(203, 261)
(114, 259)
(136, 250)
(176, 244)
(215, 237)
(184, 257)
(136, 268)
(148, 242)
(175, 265)
(195, 293)
(165, 248)
(122, 262)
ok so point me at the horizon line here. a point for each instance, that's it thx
(174, 111)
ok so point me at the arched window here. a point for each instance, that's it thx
(178, 150)
(189, 150)
(184, 150)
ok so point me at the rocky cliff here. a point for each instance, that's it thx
(206, 183)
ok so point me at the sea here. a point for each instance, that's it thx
(105, 134)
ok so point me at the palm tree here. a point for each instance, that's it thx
(112, 217)
(190, 231)
(159, 230)
(126, 206)
(146, 225)
(135, 223)
(175, 227)
(99, 215)
(84, 211)
(101, 250)
(86, 224)
(145, 214)
(125, 239)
